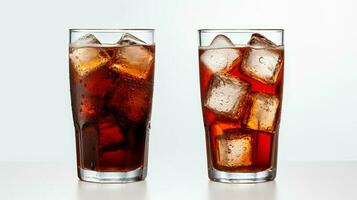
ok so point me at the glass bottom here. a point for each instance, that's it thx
(242, 177)
(111, 177)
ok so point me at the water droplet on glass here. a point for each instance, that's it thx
(261, 59)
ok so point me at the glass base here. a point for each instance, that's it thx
(111, 177)
(242, 177)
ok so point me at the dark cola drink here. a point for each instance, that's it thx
(241, 93)
(111, 93)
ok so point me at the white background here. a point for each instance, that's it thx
(318, 119)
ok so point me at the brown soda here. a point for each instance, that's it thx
(111, 111)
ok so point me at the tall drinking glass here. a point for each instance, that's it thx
(111, 78)
(241, 80)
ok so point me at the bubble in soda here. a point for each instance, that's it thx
(263, 60)
(220, 55)
(226, 95)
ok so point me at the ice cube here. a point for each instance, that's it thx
(86, 59)
(219, 127)
(220, 55)
(221, 41)
(129, 39)
(263, 112)
(86, 39)
(110, 134)
(131, 98)
(263, 60)
(135, 60)
(100, 82)
(226, 95)
(259, 41)
(90, 107)
(234, 149)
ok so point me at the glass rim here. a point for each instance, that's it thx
(111, 30)
(240, 30)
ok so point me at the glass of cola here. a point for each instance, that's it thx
(241, 82)
(111, 81)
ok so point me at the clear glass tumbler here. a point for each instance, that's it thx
(241, 80)
(111, 79)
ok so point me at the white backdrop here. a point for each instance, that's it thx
(318, 120)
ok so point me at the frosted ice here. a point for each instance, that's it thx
(262, 61)
(234, 149)
(226, 95)
(90, 107)
(86, 39)
(135, 60)
(259, 41)
(132, 99)
(129, 39)
(263, 112)
(221, 41)
(220, 56)
(110, 134)
(87, 59)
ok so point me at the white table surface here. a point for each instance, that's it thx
(296, 180)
